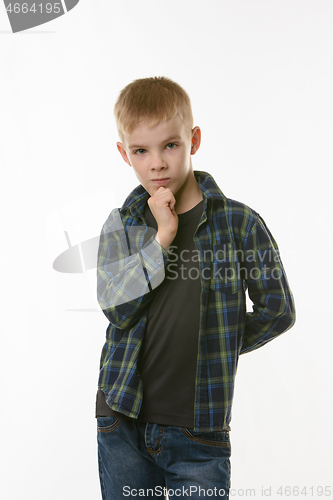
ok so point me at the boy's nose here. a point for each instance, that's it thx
(157, 162)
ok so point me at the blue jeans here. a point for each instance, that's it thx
(144, 460)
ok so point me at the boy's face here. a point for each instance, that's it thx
(161, 155)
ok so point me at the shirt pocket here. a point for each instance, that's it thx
(225, 276)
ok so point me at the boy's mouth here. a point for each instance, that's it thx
(162, 181)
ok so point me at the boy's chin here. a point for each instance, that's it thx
(152, 190)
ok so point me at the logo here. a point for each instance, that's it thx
(72, 234)
(28, 14)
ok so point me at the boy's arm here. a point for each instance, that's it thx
(273, 304)
(125, 282)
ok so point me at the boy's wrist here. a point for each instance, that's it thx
(164, 240)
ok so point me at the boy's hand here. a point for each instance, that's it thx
(162, 205)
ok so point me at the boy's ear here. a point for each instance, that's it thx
(123, 153)
(196, 140)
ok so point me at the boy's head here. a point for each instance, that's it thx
(151, 101)
(154, 121)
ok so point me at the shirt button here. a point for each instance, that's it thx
(158, 261)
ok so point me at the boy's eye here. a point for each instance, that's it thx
(171, 145)
(139, 151)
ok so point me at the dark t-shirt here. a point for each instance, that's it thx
(168, 355)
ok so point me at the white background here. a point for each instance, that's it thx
(260, 77)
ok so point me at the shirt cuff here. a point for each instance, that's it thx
(154, 259)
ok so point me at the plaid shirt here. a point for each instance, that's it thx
(237, 252)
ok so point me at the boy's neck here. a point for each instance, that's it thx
(189, 195)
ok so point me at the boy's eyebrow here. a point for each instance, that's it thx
(165, 141)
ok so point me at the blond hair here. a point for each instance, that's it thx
(152, 100)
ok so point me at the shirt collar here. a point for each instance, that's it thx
(136, 200)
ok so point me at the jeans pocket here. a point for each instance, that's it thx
(214, 438)
(108, 424)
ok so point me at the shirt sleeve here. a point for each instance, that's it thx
(273, 304)
(127, 271)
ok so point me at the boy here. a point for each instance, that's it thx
(173, 267)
